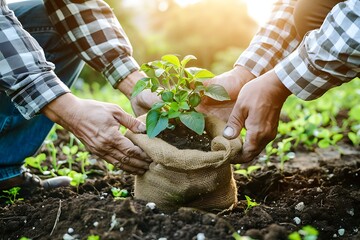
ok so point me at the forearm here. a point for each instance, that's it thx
(275, 40)
(126, 86)
(61, 109)
(93, 31)
(327, 57)
(25, 75)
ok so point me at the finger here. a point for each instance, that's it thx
(126, 147)
(125, 166)
(255, 142)
(129, 121)
(235, 123)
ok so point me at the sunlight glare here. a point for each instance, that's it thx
(259, 10)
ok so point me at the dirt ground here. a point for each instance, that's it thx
(320, 188)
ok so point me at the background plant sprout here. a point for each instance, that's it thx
(11, 195)
(250, 203)
(180, 89)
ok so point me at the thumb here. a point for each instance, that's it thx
(234, 124)
(128, 121)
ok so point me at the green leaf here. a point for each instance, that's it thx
(139, 87)
(217, 92)
(294, 236)
(159, 72)
(167, 96)
(186, 59)
(324, 143)
(194, 100)
(173, 114)
(157, 105)
(174, 106)
(66, 150)
(336, 137)
(193, 120)
(155, 123)
(172, 59)
(181, 96)
(200, 73)
(184, 106)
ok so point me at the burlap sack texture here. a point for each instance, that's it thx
(189, 178)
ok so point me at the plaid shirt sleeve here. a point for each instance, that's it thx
(92, 29)
(275, 40)
(25, 75)
(327, 57)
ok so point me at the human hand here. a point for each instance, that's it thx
(144, 100)
(97, 124)
(232, 81)
(257, 109)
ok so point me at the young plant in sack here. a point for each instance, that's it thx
(184, 177)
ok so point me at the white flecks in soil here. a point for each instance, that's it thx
(351, 212)
(151, 205)
(341, 231)
(300, 206)
(297, 220)
(200, 236)
(70, 230)
(96, 224)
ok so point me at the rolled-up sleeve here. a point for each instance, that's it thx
(275, 40)
(94, 32)
(25, 75)
(327, 57)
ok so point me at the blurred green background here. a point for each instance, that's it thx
(212, 30)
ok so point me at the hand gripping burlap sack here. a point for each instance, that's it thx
(186, 177)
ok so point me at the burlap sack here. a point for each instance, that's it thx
(189, 178)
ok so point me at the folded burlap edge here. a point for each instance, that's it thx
(222, 149)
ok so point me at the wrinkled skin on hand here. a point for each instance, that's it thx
(97, 124)
(232, 81)
(143, 102)
(257, 109)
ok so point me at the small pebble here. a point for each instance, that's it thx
(151, 205)
(96, 224)
(200, 236)
(70, 230)
(297, 220)
(341, 231)
(351, 212)
(300, 206)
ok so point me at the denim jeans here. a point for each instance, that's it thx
(21, 138)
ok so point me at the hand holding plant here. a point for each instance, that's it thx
(181, 90)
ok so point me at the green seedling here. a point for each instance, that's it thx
(119, 193)
(283, 151)
(354, 135)
(305, 233)
(49, 142)
(37, 162)
(24, 238)
(181, 90)
(70, 152)
(11, 195)
(93, 237)
(327, 138)
(250, 203)
(247, 172)
(236, 236)
(77, 178)
(83, 158)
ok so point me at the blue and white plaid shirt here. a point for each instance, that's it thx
(90, 27)
(326, 57)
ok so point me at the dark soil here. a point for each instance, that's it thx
(321, 188)
(183, 138)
